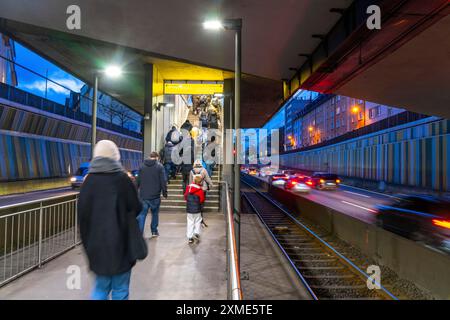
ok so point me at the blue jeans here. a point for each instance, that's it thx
(209, 168)
(170, 169)
(153, 205)
(117, 285)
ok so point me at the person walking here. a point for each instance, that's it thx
(205, 181)
(187, 125)
(187, 161)
(209, 154)
(108, 205)
(213, 118)
(174, 136)
(151, 182)
(169, 166)
(195, 198)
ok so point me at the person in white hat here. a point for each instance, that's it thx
(108, 205)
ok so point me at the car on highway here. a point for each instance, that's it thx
(77, 179)
(133, 174)
(324, 181)
(421, 218)
(267, 171)
(253, 171)
(297, 184)
(278, 179)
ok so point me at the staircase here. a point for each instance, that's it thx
(175, 200)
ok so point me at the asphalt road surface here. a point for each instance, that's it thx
(35, 195)
(351, 201)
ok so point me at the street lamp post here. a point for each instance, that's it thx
(94, 116)
(112, 72)
(236, 25)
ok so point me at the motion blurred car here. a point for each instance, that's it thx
(324, 181)
(77, 179)
(133, 174)
(297, 184)
(267, 171)
(278, 179)
(421, 218)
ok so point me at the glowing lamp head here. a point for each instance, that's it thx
(355, 109)
(310, 128)
(213, 25)
(113, 71)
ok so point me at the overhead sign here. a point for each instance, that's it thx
(192, 88)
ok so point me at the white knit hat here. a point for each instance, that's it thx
(106, 149)
(198, 163)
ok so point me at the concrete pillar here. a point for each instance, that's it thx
(148, 106)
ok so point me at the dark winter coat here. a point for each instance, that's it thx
(152, 180)
(186, 126)
(107, 203)
(168, 148)
(194, 197)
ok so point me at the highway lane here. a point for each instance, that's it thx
(351, 201)
(35, 195)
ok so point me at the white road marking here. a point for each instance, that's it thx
(358, 194)
(371, 191)
(358, 206)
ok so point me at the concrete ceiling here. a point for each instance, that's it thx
(416, 76)
(169, 34)
(274, 31)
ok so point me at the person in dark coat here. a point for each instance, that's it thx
(187, 162)
(107, 204)
(195, 197)
(174, 136)
(151, 182)
(169, 166)
(187, 125)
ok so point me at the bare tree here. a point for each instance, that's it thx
(119, 111)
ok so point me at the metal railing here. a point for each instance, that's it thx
(34, 232)
(233, 271)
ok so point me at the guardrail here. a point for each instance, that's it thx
(34, 232)
(233, 271)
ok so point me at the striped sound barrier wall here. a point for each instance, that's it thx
(417, 154)
(35, 146)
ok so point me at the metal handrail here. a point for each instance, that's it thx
(234, 276)
(34, 235)
(37, 201)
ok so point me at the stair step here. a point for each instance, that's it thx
(183, 209)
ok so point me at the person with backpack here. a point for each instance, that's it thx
(166, 157)
(209, 157)
(174, 136)
(195, 198)
(108, 205)
(205, 180)
(187, 125)
(204, 124)
(213, 118)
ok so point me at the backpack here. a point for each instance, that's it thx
(194, 174)
(175, 137)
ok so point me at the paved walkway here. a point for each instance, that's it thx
(173, 269)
